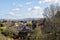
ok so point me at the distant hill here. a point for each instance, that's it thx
(29, 19)
(25, 19)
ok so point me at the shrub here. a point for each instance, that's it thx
(37, 34)
(2, 28)
(2, 37)
(29, 24)
(10, 31)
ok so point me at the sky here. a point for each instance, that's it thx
(20, 9)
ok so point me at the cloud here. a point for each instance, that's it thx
(28, 3)
(29, 9)
(16, 9)
(11, 13)
(36, 11)
(14, 12)
(49, 1)
(52, 1)
(37, 7)
(19, 5)
(40, 2)
(34, 8)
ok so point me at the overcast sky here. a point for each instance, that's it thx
(19, 9)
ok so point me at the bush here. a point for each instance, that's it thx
(29, 24)
(10, 31)
(37, 34)
(2, 28)
(2, 37)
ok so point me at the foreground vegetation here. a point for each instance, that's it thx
(48, 30)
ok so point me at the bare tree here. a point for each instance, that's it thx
(49, 14)
(50, 11)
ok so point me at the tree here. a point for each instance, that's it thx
(51, 13)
